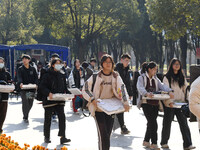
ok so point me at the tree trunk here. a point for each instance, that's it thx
(161, 57)
(114, 52)
(81, 52)
(183, 45)
(171, 50)
(136, 61)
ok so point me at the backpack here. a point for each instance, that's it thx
(135, 91)
(39, 95)
(85, 102)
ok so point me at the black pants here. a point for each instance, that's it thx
(151, 114)
(59, 109)
(27, 104)
(3, 111)
(104, 124)
(182, 120)
(120, 118)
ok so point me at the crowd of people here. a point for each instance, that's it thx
(104, 83)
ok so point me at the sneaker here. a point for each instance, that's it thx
(64, 140)
(124, 130)
(164, 146)
(25, 120)
(154, 147)
(190, 147)
(146, 144)
(47, 140)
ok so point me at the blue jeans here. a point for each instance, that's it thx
(182, 120)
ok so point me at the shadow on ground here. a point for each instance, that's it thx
(128, 139)
(10, 128)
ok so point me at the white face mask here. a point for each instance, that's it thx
(1, 65)
(58, 67)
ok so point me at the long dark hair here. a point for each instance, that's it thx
(180, 78)
(146, 66)
(75, 62)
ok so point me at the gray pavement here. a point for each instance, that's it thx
(82, 130)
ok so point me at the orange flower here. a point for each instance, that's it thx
(64, 148)
(7, 144)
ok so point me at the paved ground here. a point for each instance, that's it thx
(82, 130)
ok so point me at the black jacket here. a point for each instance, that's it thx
(53, 82)
(6, 78)
(127, 77)
(88, 73)
(27, 76)
(77, 77)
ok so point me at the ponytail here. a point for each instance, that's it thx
(143, 67)
(146, 66)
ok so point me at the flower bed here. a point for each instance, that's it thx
(7, 144)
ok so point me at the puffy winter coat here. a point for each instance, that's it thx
(53, 82)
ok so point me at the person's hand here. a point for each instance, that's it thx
(150, 95)
(126, 107)
(171, 105)
(21, 85)
(94, 102)
(50, 96)
(171, 94)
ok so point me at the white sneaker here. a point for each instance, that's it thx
(164, 146)
(154, 147)
(146, 144)
(190, 147)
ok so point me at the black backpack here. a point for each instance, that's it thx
(39, 95)
(135, 91)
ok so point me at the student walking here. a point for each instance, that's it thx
(27, 75)
(147, 84)
(5, 78)
(175, 79)
(126, 75)
(54, 82)
(105, 87)
(76, 80)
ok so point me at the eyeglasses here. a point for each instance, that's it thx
(108, 62)
(176, 64)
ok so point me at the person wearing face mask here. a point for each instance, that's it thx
(147, 84)
(63, 71)
(54, 82)
(26, 75)
(5, 78)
